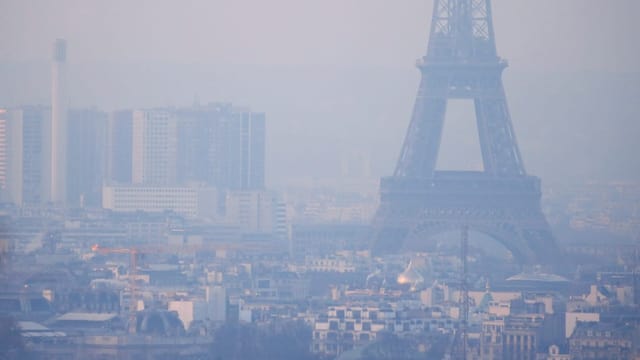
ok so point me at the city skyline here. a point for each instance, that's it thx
(576, 64)
(215, 180)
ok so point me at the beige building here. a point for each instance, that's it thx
(492, 338)
(188, 201)
(513, 338)
(25, 164)
(347, 327)
(573, 318)
(154, 147)
(253, 210)
(189, 311)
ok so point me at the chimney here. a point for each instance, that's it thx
(59, 123)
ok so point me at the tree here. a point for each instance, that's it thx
(275, 341)
(391, 347)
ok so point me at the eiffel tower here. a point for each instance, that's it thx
(501, 201)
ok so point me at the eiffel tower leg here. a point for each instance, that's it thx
(497, 139)
(420, 149)
(502, 201)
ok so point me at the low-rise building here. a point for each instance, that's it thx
(600, 341)
(343, 328)
(281, 286)
(573, 318)
(511, 337)
(187, 201)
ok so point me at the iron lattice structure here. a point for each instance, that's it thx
(418, 202)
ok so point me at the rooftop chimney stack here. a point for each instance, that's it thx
(59, 104)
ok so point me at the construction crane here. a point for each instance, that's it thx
(133, 265)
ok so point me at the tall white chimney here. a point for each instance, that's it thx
(59, 123)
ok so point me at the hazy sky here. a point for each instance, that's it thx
(576, 34)
(336, 77)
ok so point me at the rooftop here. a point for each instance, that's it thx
(34, 329)
(86, 317)
(538, 277)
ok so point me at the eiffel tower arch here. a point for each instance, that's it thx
(502, 201)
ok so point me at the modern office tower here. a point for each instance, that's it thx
(86, 157)
(221, 146)
(59, 105)
(195, 144)
(215, 145)
(119, 147)
(25, 166)
(252, 150)
(240, 151)
(154, 147)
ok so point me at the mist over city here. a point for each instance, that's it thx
(427, 179)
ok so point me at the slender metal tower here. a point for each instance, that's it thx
(502, 201)
(59, 123)
(464, 291)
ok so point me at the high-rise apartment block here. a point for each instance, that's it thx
(243, 138)
(222, 146)
(86, 154)
(213, 146)
(154, 151)
(119, 147)
(25, 163)
(194, 145)
(216, 145)
(53, 155)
